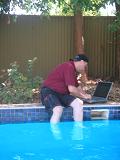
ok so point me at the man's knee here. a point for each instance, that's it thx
(77, 101)
(77, 106)
(58, 109)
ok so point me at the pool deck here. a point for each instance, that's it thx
(23, 113)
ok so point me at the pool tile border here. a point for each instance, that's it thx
(22, 113)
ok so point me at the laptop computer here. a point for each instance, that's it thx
(101, 93)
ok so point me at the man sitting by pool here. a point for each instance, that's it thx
(61, 89)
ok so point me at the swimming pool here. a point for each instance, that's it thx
(89, 140)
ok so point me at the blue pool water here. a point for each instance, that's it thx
(90, 140)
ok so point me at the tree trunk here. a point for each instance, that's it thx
(78, 33)
(118, 48)
(79, 41)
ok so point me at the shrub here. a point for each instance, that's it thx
(19, 87)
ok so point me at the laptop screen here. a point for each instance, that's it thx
(102, 89)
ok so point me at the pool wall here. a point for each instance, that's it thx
(36, 112)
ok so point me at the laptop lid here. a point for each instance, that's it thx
(102, 89)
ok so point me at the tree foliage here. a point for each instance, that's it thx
(4, 6)
(66, 7)
(44, 6)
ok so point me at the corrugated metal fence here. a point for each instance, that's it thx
(100, 46)
(50, 39)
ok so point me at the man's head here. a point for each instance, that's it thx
(80, 57)
(80, 61)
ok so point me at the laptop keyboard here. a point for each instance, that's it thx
(97, 98)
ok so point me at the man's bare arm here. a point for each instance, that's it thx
(78, 92)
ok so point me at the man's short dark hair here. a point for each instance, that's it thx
(80, 57)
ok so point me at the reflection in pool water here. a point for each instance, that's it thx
(88, 140)
(76, 132)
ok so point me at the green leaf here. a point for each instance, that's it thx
(118, 2)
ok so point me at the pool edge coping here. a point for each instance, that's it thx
(40, 106)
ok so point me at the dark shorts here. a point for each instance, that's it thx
(51, 99)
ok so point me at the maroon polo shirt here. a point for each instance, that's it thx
(62, 76)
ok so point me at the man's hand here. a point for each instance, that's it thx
(78, 92)
(88, 96)
(85, 96)
(83, 93)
